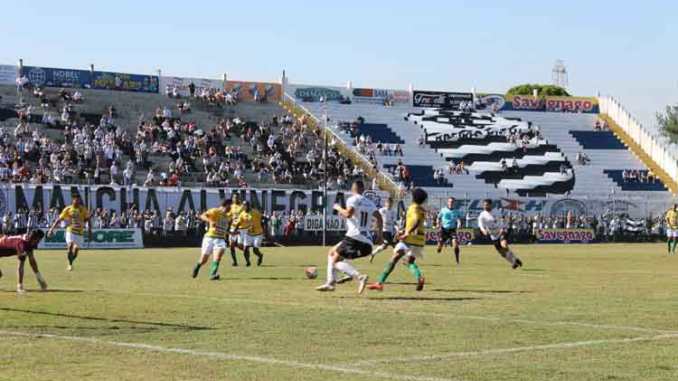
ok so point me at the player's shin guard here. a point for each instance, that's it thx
(414, 269)
(347, 268)
(330, 271)
(388, 269)
(214, 268)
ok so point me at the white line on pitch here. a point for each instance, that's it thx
(227, 356)
(416, 313)
(530, 348)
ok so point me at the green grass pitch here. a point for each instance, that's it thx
(575, 312)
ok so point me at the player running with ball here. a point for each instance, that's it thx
(671, 219)
(76, 216)
(250, 220)
(214, 241)
(359, 214)
(491, 228)
(22, 246)
(412, 240)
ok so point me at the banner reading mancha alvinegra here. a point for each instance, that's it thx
(45, 197)
(101, 239)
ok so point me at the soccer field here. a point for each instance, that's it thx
(574, 312)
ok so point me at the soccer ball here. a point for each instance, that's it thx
(311, 272)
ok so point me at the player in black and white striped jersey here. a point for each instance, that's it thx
(360, 213)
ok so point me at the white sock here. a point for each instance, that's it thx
(39, 277)
(378, 249)
(330, 271)
(347, 268)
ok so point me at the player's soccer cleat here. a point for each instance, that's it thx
(362, 283)
(215, 277)
(376, 287)
(325, 287)
(344, 279)
(43, 285)
(420, 283)
(20, 289)
(517, 263)
(69, 267)
(260, 259)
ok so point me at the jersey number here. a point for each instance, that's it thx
(363, 219)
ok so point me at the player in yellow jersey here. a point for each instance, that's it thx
(234, 236)
(77, 217)
(671, 219)
(214, 242)
(412, 240)
(252, 218)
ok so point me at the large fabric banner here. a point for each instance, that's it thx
(444, 99)
(24, 196)
(182, 84)
(8, 74)
(247, 91)
(379, 96)
(101, 239)
(54, 77)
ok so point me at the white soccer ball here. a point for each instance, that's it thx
(311, 272)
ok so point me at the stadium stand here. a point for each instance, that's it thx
(532, 154)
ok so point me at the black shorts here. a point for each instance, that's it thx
(350, 248)
(389, 238)
(448, 234)
(497, 242)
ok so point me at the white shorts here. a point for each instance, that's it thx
(210, 244)
(242, 236)
(74, 238)
(410, 250)
(671, 233)
(253, 240)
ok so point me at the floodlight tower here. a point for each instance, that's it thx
(559, 74)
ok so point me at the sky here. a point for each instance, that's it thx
(627, 49)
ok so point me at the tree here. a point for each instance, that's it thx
(542, 90)
(668, 121)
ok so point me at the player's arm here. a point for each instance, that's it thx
(205, 217)
(380, 226)
(345, 212)
(54, 226)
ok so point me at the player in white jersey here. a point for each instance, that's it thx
(360, 213)
(491, 228)
(389, 218)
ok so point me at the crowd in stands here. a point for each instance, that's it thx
(280, 151)
(639, 176)
(582, 158)
(601, 125)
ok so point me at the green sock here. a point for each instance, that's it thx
(214, 268)
(675, 243)
(414, 269)
(387, 271)
(196, 268)
(669, 242)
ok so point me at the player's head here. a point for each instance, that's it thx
(226, 203)
(246, 206)
(358, 187)
(487, 204)
(75, 199)
(675, 206)
(35, 236)
(419, 196)
(450, 202)
(236, 198)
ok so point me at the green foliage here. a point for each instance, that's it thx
(542, 90)
(668, 121)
